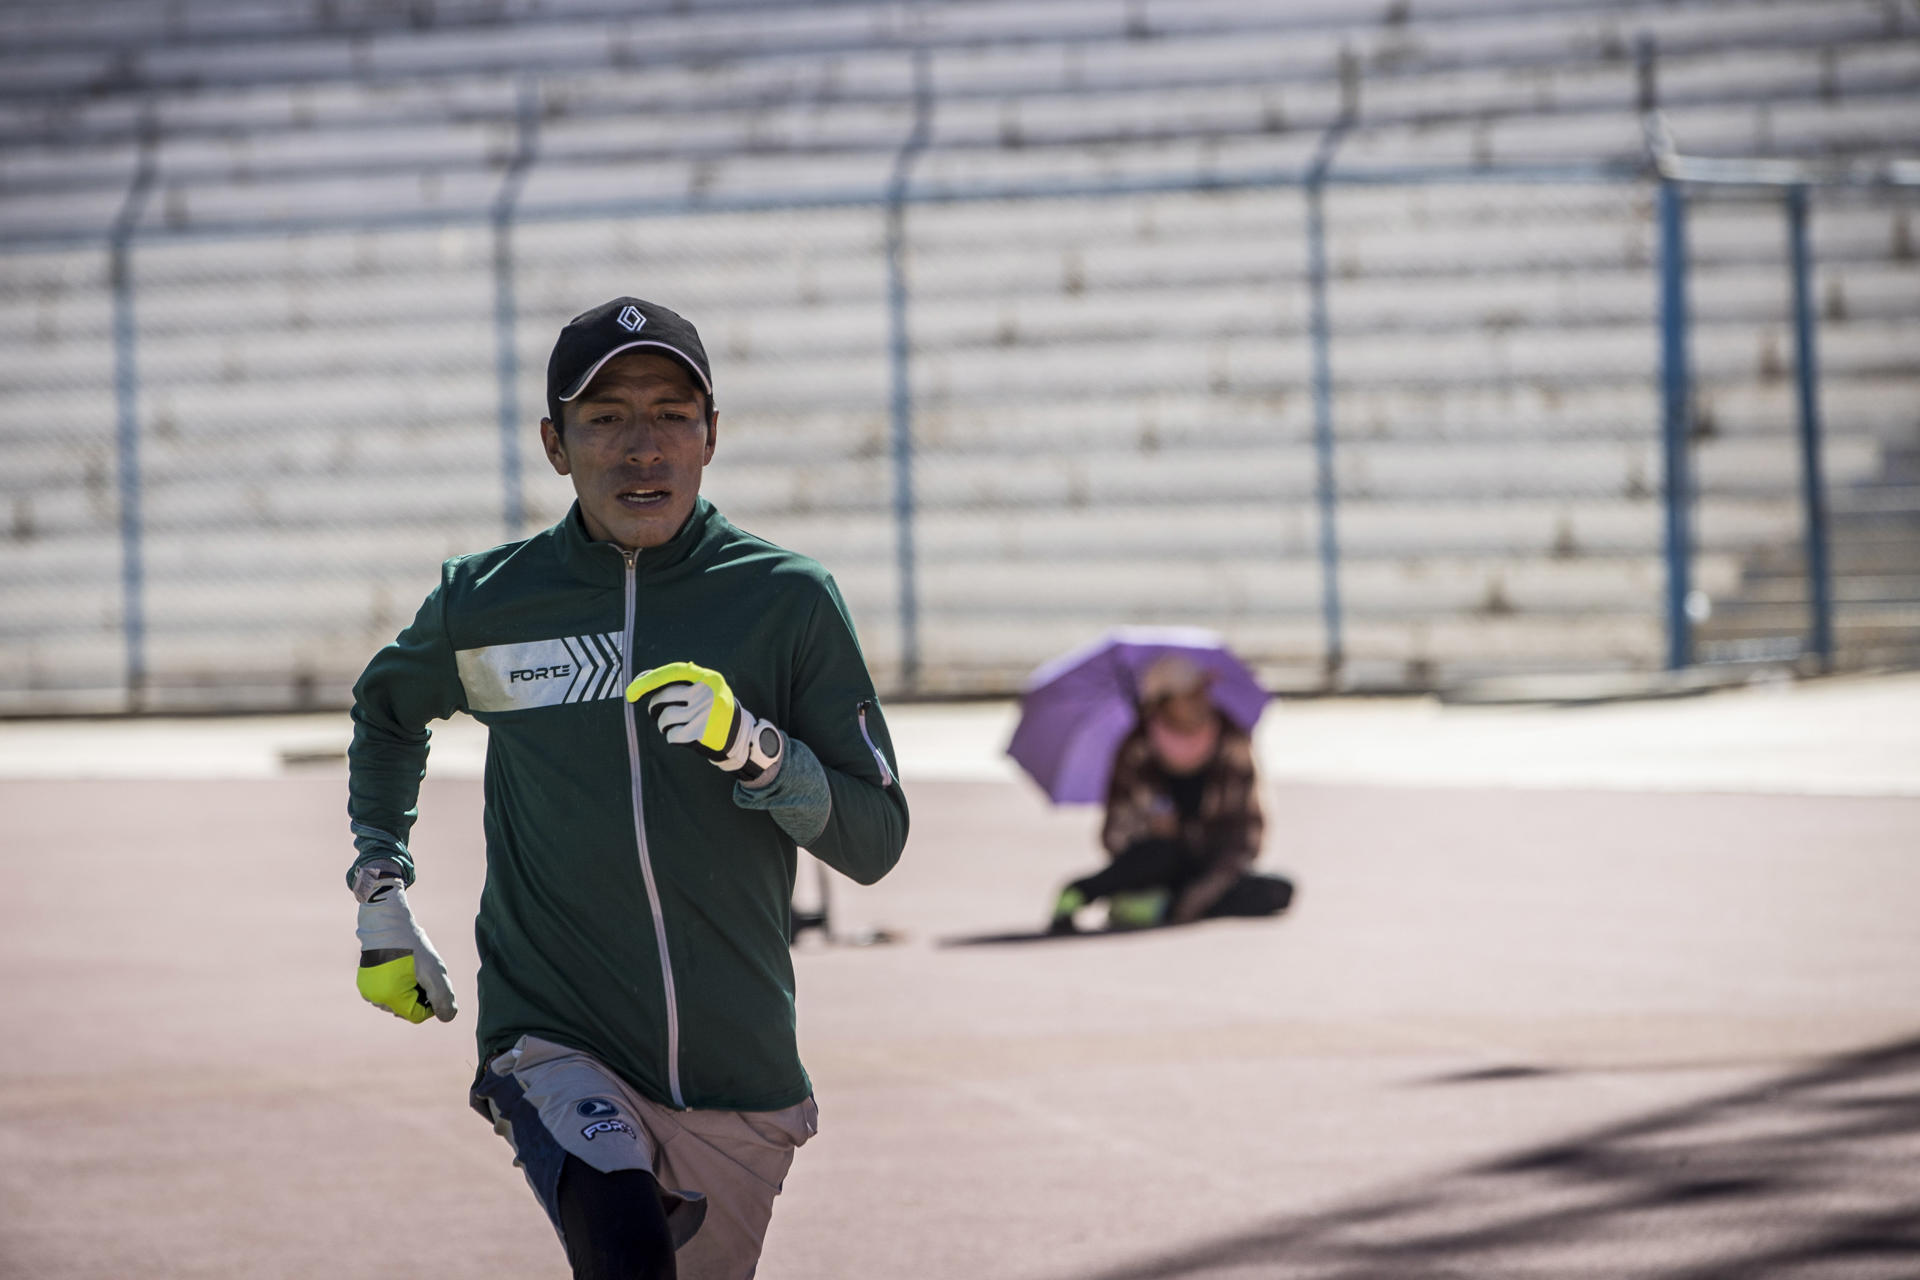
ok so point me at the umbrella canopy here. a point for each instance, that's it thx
(1078, 708)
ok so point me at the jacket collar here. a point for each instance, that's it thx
(604, 564)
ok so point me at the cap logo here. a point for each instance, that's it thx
(630, 319)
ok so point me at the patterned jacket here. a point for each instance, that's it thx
(1222, 840)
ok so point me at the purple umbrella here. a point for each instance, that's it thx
(1079, 707)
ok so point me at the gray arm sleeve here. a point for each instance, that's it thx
(799, 799)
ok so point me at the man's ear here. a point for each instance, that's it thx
(713, 433)
(556, 447)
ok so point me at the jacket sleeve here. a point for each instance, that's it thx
(834, 711)
(1130, 811)
(410, 682)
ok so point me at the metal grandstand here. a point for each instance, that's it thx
(1339, 327)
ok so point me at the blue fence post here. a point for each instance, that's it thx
(899, 362)
(1676, 419)
(1320, 332)
(1813, 482)
(126, 391)
(505, 309)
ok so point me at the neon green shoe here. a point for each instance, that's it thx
(1069, 901)
(1141, 910)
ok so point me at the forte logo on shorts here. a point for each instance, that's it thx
(605, 1116)
(599, 1127)
(541, 673)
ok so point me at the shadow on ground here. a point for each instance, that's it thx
(1812, 1175)
(1019, 936)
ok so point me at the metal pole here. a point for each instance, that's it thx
(1675, 419)
(505, 309)
(1807, 380)
(1321, 330)
(899, 356)
(126, 388)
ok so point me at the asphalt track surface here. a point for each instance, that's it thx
(1507, 1031)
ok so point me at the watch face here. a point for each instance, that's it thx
(769, 741)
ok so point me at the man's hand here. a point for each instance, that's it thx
(399, 969)
(694, 708)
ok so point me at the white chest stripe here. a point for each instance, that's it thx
(541, 673)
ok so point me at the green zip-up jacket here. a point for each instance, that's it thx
(633, 908)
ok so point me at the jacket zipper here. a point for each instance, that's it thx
(640, 837)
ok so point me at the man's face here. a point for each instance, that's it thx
(634, 444)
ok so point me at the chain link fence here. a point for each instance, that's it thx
(233, 466)
(1862, 294)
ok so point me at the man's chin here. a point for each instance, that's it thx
(643, 528)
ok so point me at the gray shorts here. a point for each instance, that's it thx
(719, 1171)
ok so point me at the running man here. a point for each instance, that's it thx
(673, 706)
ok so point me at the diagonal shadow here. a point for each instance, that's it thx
(1815, 1176)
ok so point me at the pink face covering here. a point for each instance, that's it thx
(1183, 750)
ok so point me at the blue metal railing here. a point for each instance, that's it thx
(1676, 421)
(901, 191)
(1258, 178)
(1326, 488)
(900, 355)
(1790, 180)
(505, 309)
(126, 390)
(1807, 388)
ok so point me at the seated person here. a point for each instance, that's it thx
(1183, 822)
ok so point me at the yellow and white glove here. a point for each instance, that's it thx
(399, 969)
(695, 708)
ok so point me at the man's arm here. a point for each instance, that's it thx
(410, 683)
(837, 792)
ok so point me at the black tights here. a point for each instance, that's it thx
(1162, 864)
(614, 1224)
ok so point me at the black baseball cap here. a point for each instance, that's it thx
(594, 337)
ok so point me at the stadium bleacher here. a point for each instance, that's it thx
(1113, 420)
